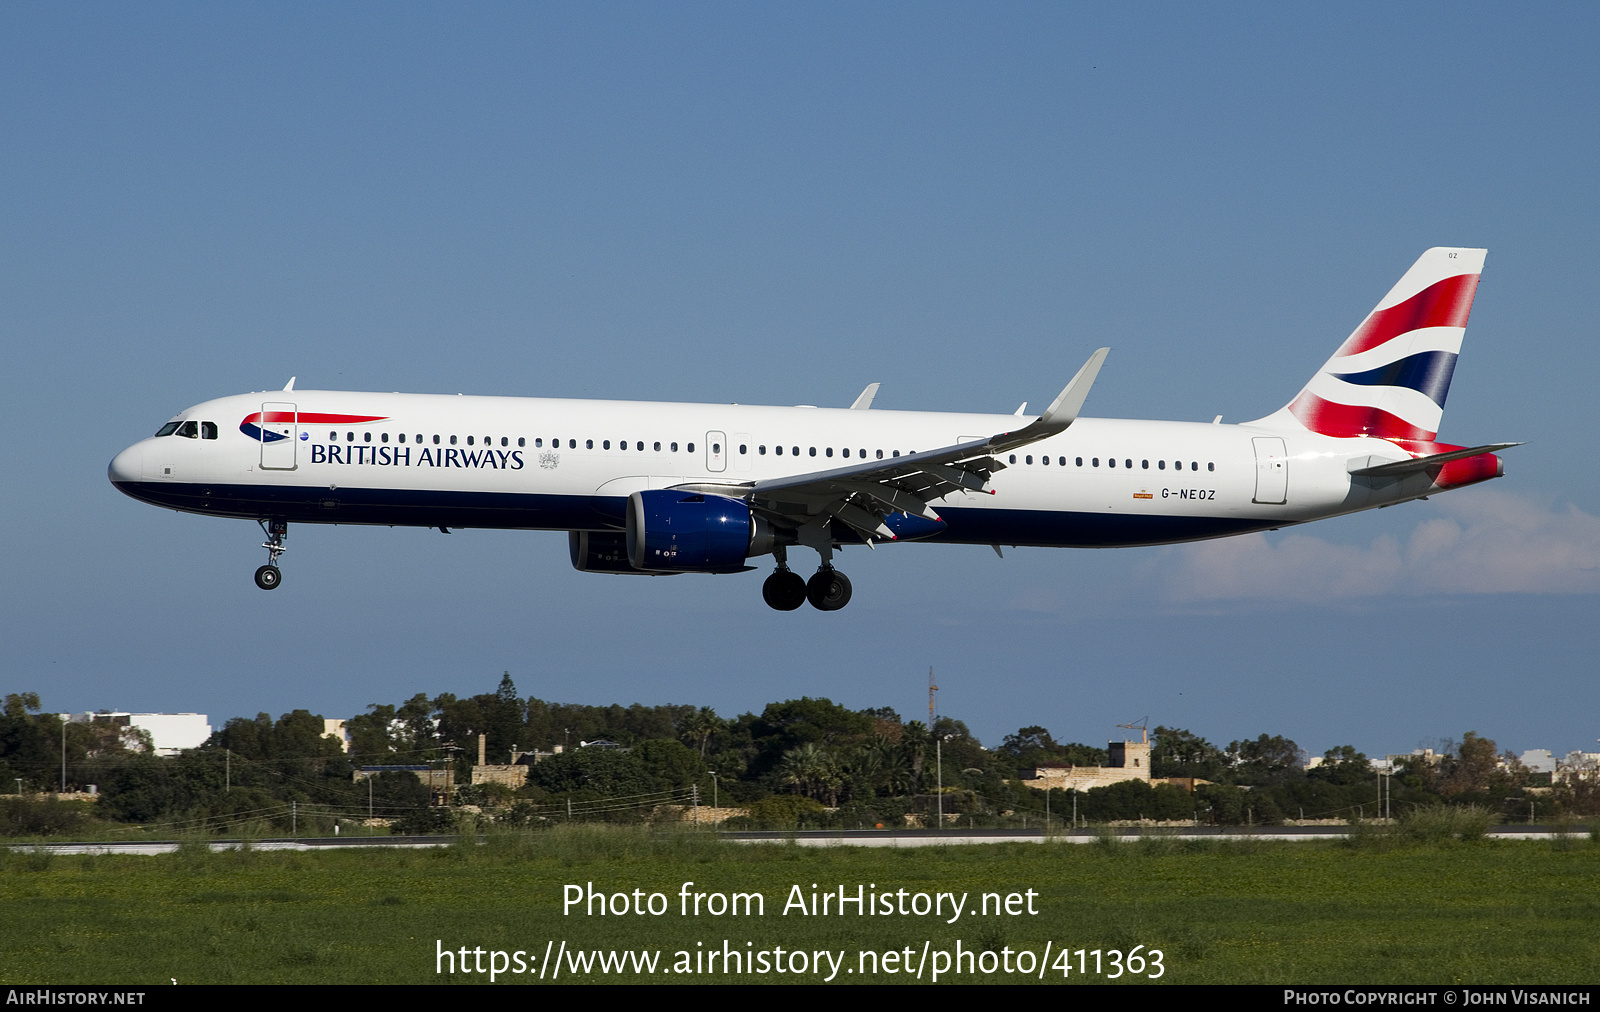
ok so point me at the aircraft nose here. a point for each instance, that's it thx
(127, 465)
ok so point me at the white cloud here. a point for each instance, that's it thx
(1488, 542)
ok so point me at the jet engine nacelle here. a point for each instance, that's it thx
(603, 552)
(693, 532)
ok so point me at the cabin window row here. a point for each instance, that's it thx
(1126, 462)
(827, 451)
(606, 444)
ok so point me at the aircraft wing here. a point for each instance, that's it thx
(868, 495)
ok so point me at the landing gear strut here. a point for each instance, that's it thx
(784, 590)
(827, 590)
(269, 576)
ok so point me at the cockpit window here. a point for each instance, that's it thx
(168, 429)
(208, 430)
(190, 430)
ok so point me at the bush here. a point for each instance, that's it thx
(779, 811)
(50, 817)
(1438, 823)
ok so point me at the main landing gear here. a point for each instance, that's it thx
(827, 590)
(269, 576)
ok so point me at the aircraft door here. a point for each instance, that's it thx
(280, 431)
(716, 452)
(1272, 470)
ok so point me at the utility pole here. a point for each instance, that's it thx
(64, 754)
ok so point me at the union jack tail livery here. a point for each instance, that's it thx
(1389, 378)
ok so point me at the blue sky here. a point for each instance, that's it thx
(779, 205)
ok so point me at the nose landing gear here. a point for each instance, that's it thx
(268, 577)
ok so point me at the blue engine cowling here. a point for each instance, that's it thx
(691, 532)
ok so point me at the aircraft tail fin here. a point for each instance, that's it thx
(1390, 377)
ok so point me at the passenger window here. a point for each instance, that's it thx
(572, 444)
(828, 452)
(1095, 461)
(401, 437)
(674, 447)
(778, 450)
(794, 451)
(743, 449)
(1194, 465)
(1161, 465)
(658, 446)
(1127, 463)
(1013, 458)
(1079, 460)
(208, 430)
(383, 438)
(452, 440)
(1062, 461)
(1029, 458)
(1111, 462)
(349, 437)
(469, 440)
(1211, 465)
(1044, 460)
(588, 444)
(897, 453)
(761, 451)
(880, 454)
(1145, 464)
(845, 452)
(366, 437)
(690, 447)
(606, 444)
(537, 441)
(813, 451)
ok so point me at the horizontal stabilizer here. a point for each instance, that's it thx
(1403, 467)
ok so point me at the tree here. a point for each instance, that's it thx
(1473, 768)
(1175, 752)
(1265, 759)
(1343, 766)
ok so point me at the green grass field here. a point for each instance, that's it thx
(1220, 912)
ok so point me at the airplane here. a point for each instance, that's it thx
(646, 488)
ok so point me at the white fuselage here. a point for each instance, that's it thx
(554, 464)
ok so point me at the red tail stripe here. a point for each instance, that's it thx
(1333, 419)
(1445, 303)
